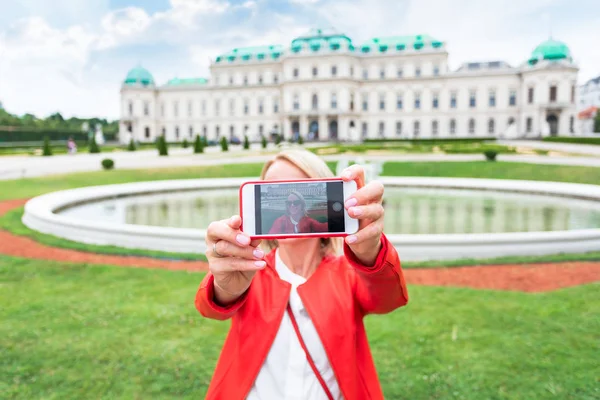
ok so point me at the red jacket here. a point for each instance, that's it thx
(337, 297)
(283, 224)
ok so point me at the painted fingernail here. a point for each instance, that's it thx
(351, 239)
(356, 211)
(241, 239)
(260, 264)
(351, 202)
(258, 253)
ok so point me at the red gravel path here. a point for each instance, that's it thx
(524, 277)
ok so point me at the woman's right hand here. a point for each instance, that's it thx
(236, 260)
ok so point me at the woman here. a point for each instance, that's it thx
(297, 312)
(296, 219)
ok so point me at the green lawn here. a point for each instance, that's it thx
(79, 332)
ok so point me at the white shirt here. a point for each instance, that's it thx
(286, 373)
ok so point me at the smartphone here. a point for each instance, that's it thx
(296, 208)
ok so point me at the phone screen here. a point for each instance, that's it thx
(299, 207)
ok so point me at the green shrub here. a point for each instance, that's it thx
(198, 145)
(300, 139)
(185, 144)
(47, 149)
(94, 148)
(161, 144)
(278, 139)
(131, 146)
(263, 142)
(433, 141)
(246, 143)
(490, 155)
(107, 164)
(224, 144)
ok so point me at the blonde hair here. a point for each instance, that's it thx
(314, 167)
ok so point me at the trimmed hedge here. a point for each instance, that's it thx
(8, 134)
(432, 140)
(574, 140)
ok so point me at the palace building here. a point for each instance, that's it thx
(325, 87)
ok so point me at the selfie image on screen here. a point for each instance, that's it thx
(295, 208)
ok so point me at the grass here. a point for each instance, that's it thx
(575, 140)
(77, 332)
(29, 187)
(448, 147)
(495, 170)
(11, 222)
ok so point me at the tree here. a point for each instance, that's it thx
(198, 145)
(185, 144)
(278, 138)
(246, 143)
(131, 146)
(263, 142)
(163, 149)
(93, 145)
(47, 149)
(300, 139)
(597, 122)
(224, 145)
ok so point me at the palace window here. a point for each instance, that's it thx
(491, 125)
(218, 131)
(416, 128)
(315, 102)
(130, 107)
(315, 72)
(261, 107)
(365, 73)
(246, 107)
(177, 133)
(399, 72)
(472, 126)
(203, 107)
(296, 102)
(382, 129)
(418, 71)
(530, 95)
(399, 102)
(417, 101)
(552, 94)
(398, 128)
(364, 130)
(146, 108)
(529, 124)
(382, 73)
(147, 132)
(472, 99)
(382, 101)
(260, 79)
(512, 98)
(333, 101)
(492, 99)
(295, 73)
(232, 107)
(275, 78)
(434, 127)
(436, 70)
(275, 105)
(452, 126)
(333, 70)
(176, 109)
(435, 102)
(452, 99)
(245, 80)
(365, 102)
(190, 131)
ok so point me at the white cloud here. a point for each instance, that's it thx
(122, 25)
(45, 67)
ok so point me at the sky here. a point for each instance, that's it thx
(71, 56)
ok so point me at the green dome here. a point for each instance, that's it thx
(139, 76)
(550, 50)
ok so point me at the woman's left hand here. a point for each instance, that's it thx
(365, 205)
